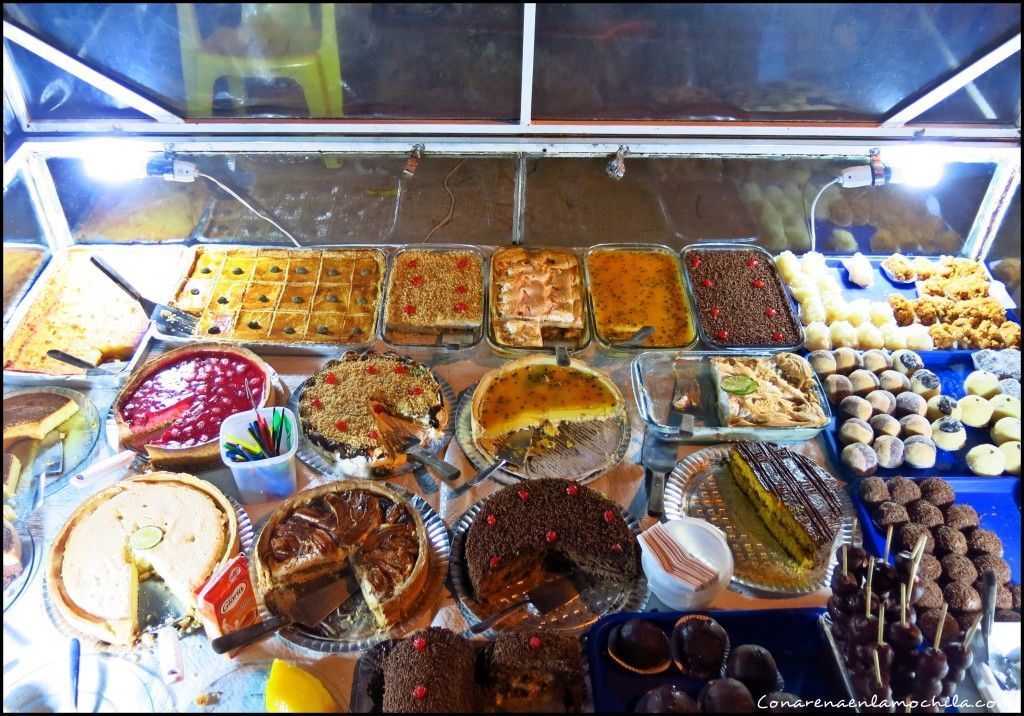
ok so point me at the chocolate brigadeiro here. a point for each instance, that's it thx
(873, 491)
(928, 622)
(666, 699)
(937, 491)
(908, 534)
(925, 513)
(930, 567)
(957, 568)
(1007, 615)
(903, 491)
(950, 540)
(961, 516)
(996, 564)
(931, 598)
(962, 597)
(890, 513)
(982, 541)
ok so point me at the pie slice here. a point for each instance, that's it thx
(34, 415)
(12, 474)
(94, 567)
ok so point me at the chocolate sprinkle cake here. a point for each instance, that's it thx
(430, 672)
(536, 671)
(533, 530)
(740, 298)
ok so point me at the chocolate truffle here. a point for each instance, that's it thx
(907, 362)
(957, 568)
(982, 383)
(982, 541)
(894, 382)
(855, 431)
(910, 404)
(961, 516)
(863, 381)
(1004, 599)
(666, 699)
(1004, 406)
(1015, 593)
(931, 598)
(996, 564)
(641, 646)
(949, 434)
(1011, 453)
(937, 491)
(882, 402)
(885, 425)
(854, 406)
(926, 384)
(942, 406)
(962, 597)
(838, 387)
(930, 567)
(823, 363)
(974, 410)
(963, 619)
(1007, 615)
(725, 696)
(919, 452)
(754, 667)
(915, 425)
(890, 513)
(925, 513)
(1003, 431)
(700, 646)
(985, 460)
(903, 491)
(889, 451)
(949, 540)
(928, 621)
(847, 360)
(876, 361)
(873, 490)
(908, 534)
(860, 459)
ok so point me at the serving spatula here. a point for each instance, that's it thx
(170, 321)
(545, 598)
(512, 453)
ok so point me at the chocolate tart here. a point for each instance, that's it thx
(172, 407)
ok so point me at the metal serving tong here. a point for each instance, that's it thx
(171, 321)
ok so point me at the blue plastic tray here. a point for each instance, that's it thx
(952, 367)
(997, 501)
(791, 635)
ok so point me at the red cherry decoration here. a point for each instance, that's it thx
(694, 263)
(491, 520)
(416, 280)
(341, 425)
(416, 391)
(374, 435)
(609, 516)
(317, 403)
(770, 312)
(462, 263)
(616, 547)
(524, 495)
(419, 643)
(495, 561)
(758, 283)
(707, 283)
(371, 369)
(410, 309)
(461, 307)
(401, 369)
(777, 336)
(419, 692)
(723, 334)
(752, 263)
(535, 642)
(331, 379)
(551, 537)
(378, 409)
(715, 311)
(572, 490)
(413, 263)
(461, 289)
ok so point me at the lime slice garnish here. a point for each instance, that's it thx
(739, 385)
(146, 537)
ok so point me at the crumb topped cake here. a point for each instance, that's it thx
(359, 407)
(536, 671)
(431, 292)
(432, 671)
(528, 532)
(797, 500)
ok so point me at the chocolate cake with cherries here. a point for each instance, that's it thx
(536, 671)
(532, 531)
(433, 671)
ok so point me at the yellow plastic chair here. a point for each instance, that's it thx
(272, 40)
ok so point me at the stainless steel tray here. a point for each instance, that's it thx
(708, 339)
(460, 340)
(352, 627)
(319, 459)
(157, 608)
(653, 376)
(464, 435)
(296, 348)
(612, 348)
(597, 601)
(701, 486)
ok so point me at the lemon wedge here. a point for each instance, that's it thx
(291, 689)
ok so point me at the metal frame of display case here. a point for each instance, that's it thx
(168, 132)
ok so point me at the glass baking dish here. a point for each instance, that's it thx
(706, 335)
(451, 339)
(507, 350)
(607, 343)
(659, 377)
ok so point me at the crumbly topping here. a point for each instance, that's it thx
(434, 290)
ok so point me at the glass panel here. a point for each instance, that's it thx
(1004, 256)
(418, 61)
(319, 199)
(992, 98)
(21, 224)
(52, 93)
(25, 248)
(752, 62)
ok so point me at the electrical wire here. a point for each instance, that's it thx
(451, 209)
(814, 205)
(246, 204)
(398, 204)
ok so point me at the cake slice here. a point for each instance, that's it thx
(796, 499)
(12, 473)
(432, 671)
(34, 415)
(537, 672)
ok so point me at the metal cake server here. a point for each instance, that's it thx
(50, 461)
(171, 321)
(513, 453)
(545, 598)
(637, 339)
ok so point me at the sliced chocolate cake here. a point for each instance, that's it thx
(433, 671)
(538, 672)
(528, 532)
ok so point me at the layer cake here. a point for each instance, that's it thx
(431, 292)
(536, 297)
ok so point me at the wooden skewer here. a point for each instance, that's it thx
(942, 623)
(881, 622)
(903, 604)
(971, 631)
(867, 587)
(888, 543)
